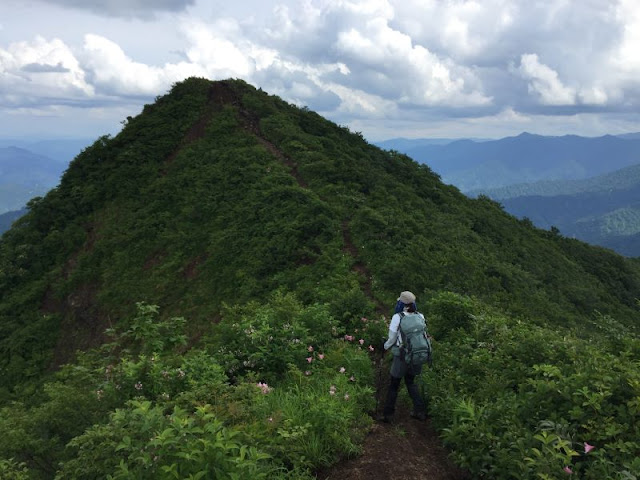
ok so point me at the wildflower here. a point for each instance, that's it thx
(181, 373)
(138, 386)
(342, 369)
(264, 387)
(309, 359)
(310, 348)
(349, 338)
(321, 356)
(361, 341)
(568, 470)
(165, 374)
(164, 396)
(270, 419)
(332, 390)
(99, 394)
(587, 447)
(352, 378)
(363, 320)
(307, 373)
(371, 349)
(346, 396)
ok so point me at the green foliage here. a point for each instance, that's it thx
(543, 396)
(139, 407)
(278, 234)
(10, 470)
(142, 442)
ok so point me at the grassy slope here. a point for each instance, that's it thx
(221, 193)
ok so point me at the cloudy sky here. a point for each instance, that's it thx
(386, 68)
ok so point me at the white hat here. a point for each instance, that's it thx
(407, 297)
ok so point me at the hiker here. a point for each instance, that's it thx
(399, 367)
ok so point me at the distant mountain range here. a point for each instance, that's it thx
(588, 188)
(472, 165)
(7, 219)
(603, 210)
(30, 169)
(24, 175)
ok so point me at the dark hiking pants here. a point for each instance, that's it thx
(400, 367)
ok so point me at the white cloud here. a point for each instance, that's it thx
(626, 57)
(424, 60)
(544, 82)
(41, 69)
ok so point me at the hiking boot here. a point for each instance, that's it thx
(418, 416)
(385, 418)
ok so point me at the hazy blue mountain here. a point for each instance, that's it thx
(24, 175)
(403, 144)
(630, 136)
(7, 219)
(618, 180)
(61, 150)
(526, 158)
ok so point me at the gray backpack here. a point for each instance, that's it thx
(416, 344)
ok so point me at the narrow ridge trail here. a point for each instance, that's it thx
(406, 449)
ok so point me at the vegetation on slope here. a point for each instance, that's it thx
(274, 233)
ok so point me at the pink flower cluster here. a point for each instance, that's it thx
(310, 349)
(587, 449)
(351, 338)
(264, 387)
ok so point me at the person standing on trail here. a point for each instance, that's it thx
(399, 367)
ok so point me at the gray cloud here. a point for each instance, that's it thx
(44, 68)
(125, 8)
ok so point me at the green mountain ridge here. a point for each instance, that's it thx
(618, 180)
(248, 216)
(602, 210)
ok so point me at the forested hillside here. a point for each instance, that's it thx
(602, 210)
(224, 264)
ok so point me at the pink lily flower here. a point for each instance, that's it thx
(342, 369)
(309, 359)
(371, 349)
(587, 447)
(361, 341)
(310, 348)
(568, 470)
(321, 356)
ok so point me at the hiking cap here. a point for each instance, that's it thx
(407, 297)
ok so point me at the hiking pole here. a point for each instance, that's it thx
(379, 381)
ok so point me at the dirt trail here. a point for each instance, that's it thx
(406, 449)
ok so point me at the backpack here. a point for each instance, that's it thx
(416, 344)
